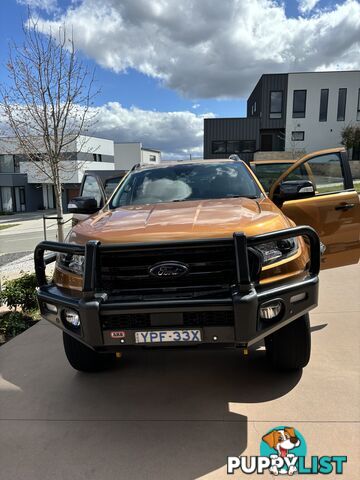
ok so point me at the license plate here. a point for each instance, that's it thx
(162, 336)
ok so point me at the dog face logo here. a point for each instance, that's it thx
(282, 440)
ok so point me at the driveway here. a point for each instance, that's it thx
(176, 414)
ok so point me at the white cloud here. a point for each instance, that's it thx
(176, 134)
(47, 5)
(305, 6)
(204, 49)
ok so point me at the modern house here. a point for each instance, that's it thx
(292, 112)
(24, 188)
(128, 154)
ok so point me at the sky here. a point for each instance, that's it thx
(164, 65)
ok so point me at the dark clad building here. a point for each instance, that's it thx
(262, 129)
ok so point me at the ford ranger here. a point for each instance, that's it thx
(197, 254)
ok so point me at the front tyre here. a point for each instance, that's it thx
(289, 348)
(85, 359)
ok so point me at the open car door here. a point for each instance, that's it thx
(323, 196)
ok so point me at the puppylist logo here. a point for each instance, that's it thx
(282, 452)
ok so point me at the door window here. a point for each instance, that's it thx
(324, 171)
(268, 173)
(91, 189)
(110, 185)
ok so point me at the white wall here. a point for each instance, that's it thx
(83, 144)
(72, 171)
(320, 135)
(94, 145)
(147, 154)
(126, 155)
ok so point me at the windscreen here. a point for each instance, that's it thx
(186, 182)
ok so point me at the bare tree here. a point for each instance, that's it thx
(47, 104)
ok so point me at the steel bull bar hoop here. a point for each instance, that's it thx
(41, 261)
(242, 243)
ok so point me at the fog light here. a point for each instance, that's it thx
(50, 307)
(71, 317)
(270, 310)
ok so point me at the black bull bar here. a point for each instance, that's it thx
(244, 301)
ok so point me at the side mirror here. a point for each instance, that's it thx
(85, 205)
(295, 190)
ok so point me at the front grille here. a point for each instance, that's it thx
(209, 319)
(126, 321)
(124, 273)
(135, 321)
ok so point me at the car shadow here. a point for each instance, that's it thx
(188, 393)
(315, 328)
(157, 414)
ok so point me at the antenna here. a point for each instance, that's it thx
(235, 157)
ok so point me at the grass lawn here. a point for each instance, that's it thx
(4, 227)
(337, 188)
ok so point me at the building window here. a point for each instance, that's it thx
(152, 158)
(358, 107)
(94, 157)
(276, 101)
(299, 104)
(97, 157)
(247, 146)
(6, 199)
(218, 147)
(324, 98)
(232, 146)
(7, 164)
(341, 104)
(253, 108)
(297, 136)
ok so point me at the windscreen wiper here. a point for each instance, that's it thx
(252, 197)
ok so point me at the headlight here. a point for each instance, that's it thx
(274, 251)
(72, 263)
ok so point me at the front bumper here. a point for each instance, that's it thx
(244, 325)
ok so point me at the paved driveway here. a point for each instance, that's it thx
(178, 415)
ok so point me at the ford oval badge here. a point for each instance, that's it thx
(168, 270)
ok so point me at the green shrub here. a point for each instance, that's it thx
(350, 136)
(20, 292)
(13, 323)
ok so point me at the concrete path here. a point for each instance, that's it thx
(178, 415)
